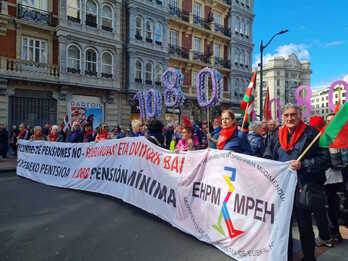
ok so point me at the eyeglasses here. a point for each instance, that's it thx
(290, 115)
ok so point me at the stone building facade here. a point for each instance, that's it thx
(282, 76)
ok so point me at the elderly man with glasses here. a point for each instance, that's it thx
(287, 145)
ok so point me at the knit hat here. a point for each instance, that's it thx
(317, 122)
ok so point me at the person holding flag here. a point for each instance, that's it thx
(286, 145)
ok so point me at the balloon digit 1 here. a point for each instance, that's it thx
(279, 109)
(153, 104)
(202, 86)
(141, 99)
(172, 80)
(332, 88)
(306, 101)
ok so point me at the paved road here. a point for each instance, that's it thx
(38, 222)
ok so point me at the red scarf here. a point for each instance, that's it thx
(21, 133)
(103, 135)
(224, 136)
(38, 137)
(283, 136)
(53, 137)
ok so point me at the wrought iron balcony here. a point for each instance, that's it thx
(222, 29)
(158, 83)
(158, 42)
(138, 36)
(91, 73)
(138, 80)
(159, 2)
(91, 20)
(73, 70)
(33, 14)
(148, 82)
(179, 51)
(106, 75)
(202, 22)
(198, 56)
(74, 19)
(149, 40)
(183, 15)
(107, 28)
(222, 62)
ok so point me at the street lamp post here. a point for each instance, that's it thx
(262, 47)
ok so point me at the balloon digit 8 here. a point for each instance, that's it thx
(305, 101)
(172, 80)
(332, 88)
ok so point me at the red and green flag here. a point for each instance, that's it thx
(249, 97)
(267, 113)
(335, 135)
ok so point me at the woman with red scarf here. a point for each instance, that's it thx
(37, 134)
(23, 133)
(103, 133)
(230, 138)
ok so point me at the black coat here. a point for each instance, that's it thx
(3, 140)
(313, 164)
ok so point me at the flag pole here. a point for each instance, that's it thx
(309, 146)
(246, 110)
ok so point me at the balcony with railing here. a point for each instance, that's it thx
(33, 14)
(202, 22)
(177, 12)
(201, 57)
(222, 29)
(222, 62)
(178, 51)
(22, 69)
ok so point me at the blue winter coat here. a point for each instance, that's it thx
(75, 137)
(257, 145)
(215, 135)
(238, 143)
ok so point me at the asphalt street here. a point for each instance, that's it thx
(39, 222)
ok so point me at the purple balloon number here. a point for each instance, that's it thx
(279, 109)
(332, 88)
(304, 101)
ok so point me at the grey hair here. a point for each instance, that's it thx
(291, 105)
(37, 128)
(55, 127)
(255, 124)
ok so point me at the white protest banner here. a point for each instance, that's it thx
(240, 204)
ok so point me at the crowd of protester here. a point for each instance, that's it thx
(325, 167)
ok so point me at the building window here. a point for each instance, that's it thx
(158, 74)
(74, 11)
(196, 44)
(138, 71)
(278, 83)
(107, 65)
(38, 4)
(217, 18)
(236, 56)
(173, 4)
(107, 18)
(194, 76)
(217, 50)
(236, 24)
(197, 10)
(91, 13)
(91, 62)
(148, 73)
(34, 50)
(242, 24)
(158, 33)
(74, 59)
(173, 38)
(139, 28)
(246, 29)
(149, 31)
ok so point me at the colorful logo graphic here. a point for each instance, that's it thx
(232, 232)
